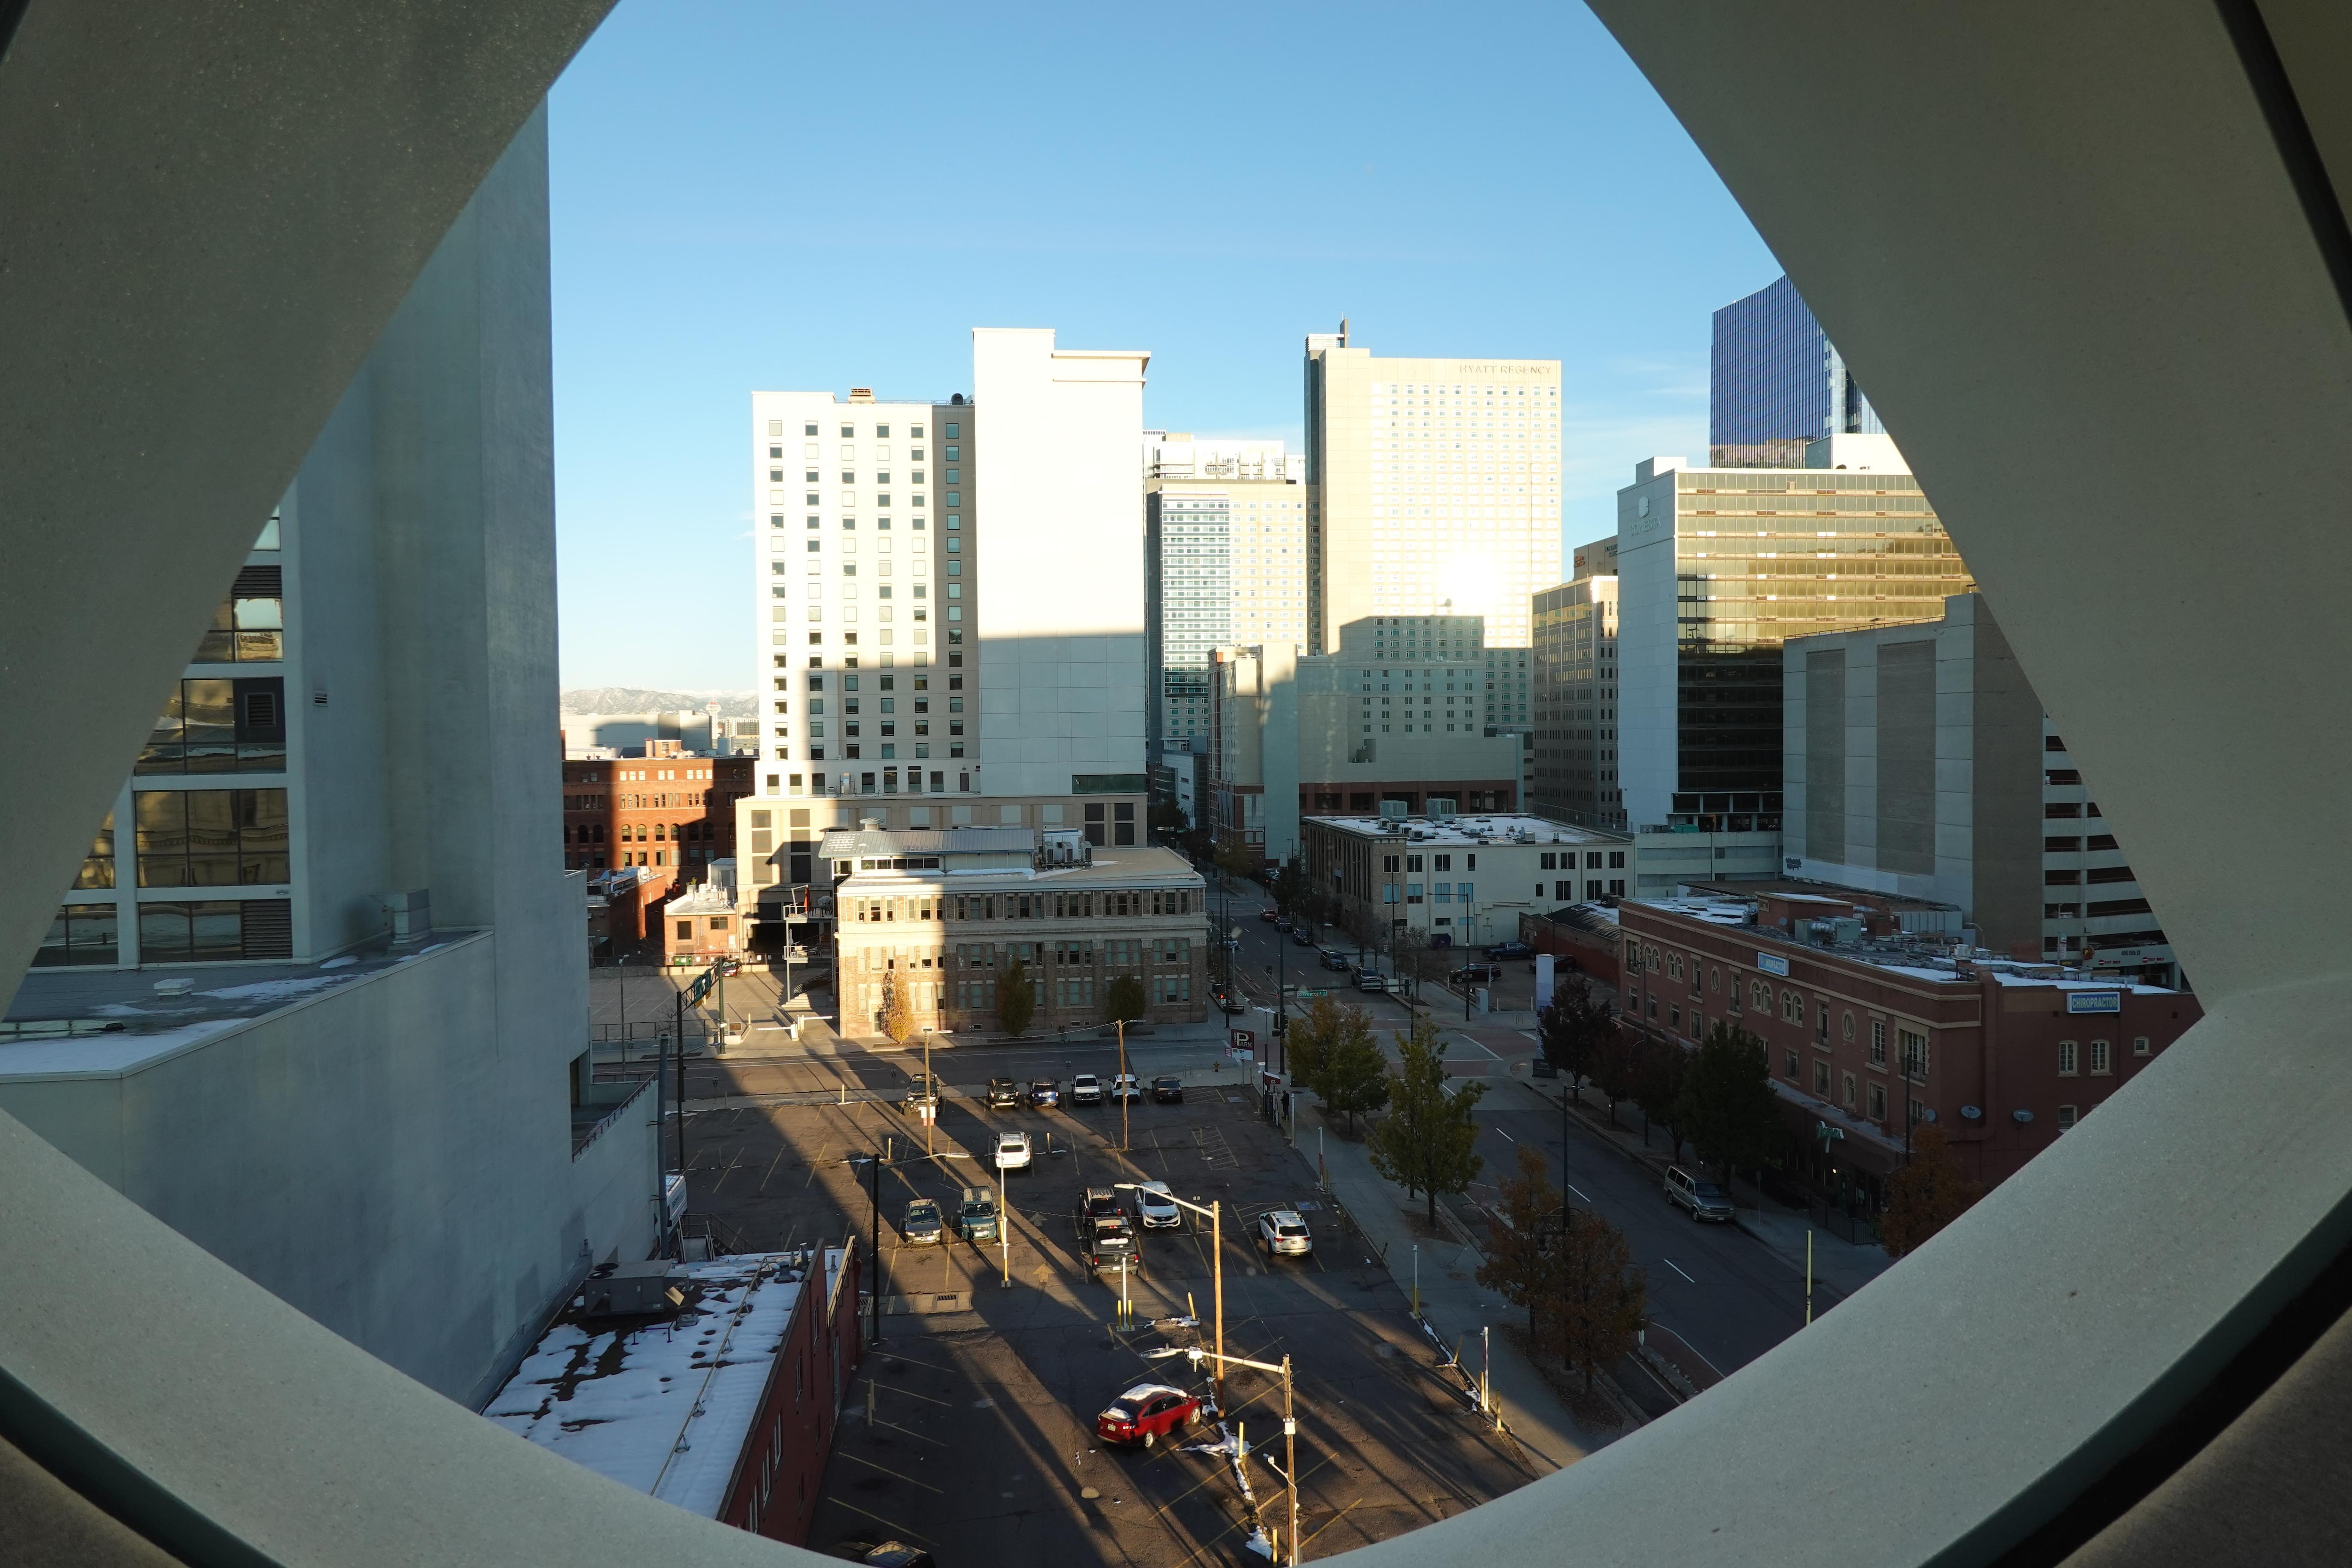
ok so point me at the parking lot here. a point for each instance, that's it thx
(970, 1432)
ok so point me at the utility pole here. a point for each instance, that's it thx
(1214, 1209)
(681, 1079)
(930, 1092)
(1290, 1457)
(1121, 1086)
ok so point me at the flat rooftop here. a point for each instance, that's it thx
(72, 1020)
(1131, 866)
(1495, 827)
(1830, 892)
(663, 1406)
(1912, 957)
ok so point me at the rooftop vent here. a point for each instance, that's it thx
(869, 824)
(861, 395)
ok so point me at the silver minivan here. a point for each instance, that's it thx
(1702, 1197)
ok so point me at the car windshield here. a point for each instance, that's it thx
(921, 1211)
(1709, 1190)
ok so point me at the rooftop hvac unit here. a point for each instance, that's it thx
(1439, 807)
(1392, 811)
(635, 1289)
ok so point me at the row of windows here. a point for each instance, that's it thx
(218, 931)
(950, 429)
(1126, 903)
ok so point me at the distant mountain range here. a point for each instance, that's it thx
(645, 700)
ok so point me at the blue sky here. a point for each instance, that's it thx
(768, 196)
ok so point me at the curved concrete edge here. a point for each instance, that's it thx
(231, 1429)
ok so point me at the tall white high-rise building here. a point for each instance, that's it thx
(951, 617)
(1433, 490)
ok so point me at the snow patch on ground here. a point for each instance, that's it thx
(280, 990)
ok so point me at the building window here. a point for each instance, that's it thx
(2067, 1117)
(2065, 1058)
(216, 930)
(1878, 1102)
(1878, 1042)
(211, 837)
(1821, 1078)
(1846, 1028)
(80, 934)
(1915, 1054)
(1789, 1066)
(1845, 1089)
(1792, 1009)
(2101, 1065)
(2139, 1044)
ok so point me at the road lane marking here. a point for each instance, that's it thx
(1507, 1137)
(1677, 1268)
(862, 1460)
(1571, 1187)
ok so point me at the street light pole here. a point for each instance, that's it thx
(1121, 1086)
(1216, 1210)
(930, 1092)
(1290, 1457)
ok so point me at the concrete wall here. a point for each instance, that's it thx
(373, 1156)
(1065, 680)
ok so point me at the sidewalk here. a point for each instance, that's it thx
(1458, 1308)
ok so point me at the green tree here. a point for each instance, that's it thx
(1603, 1298)
(1611, 1066)
(1292, 891)
(1428, 1139)
(1927, 1195)
(1126, 1003)
(898, 1012)
(1314, 1031)
(1168, 819)
(1524, 1255)
(1728, 1109)
(1016, 998)
(1236, 859)
(1660, 1067)
(1573, 1028)
(1354, 1077)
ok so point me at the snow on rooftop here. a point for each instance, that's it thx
(665, 1407)
(1473, 828)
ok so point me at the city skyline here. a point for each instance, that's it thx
(686, 267)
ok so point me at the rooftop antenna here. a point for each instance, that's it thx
(1343, 332)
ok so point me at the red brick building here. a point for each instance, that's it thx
(671, 814)
(1873, 1040)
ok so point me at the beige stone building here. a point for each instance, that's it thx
(945, 912)
(1432, 488)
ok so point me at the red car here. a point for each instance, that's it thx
(1147, 1412)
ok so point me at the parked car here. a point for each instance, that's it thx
(1371, 980)
(730, 967)
(920, 1225)
(1147, 1413)
(1269, 916)
(1227, 1002)
(1013, 1152)
(1110, 1245)
(976, 1217)
(1101, 1203)
(921, 1090)
(1474, 974)
(1045, 1092)
(1085, 1089)
(1338, 960)
(1508, 949)
(1168, 1090)
(883, 1554)
(1004, 1094)
(1124, 1086)
(1283, 1233)
(1281, 921)
(1702, 1197)
(1155, 1209)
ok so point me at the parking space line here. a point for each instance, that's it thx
(1677, 1268)
(894, 1525)
(886, 1470)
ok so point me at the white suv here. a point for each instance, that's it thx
(1086, 1090)
(1283, 1232)
(1013, 1152)
(1155, 1209)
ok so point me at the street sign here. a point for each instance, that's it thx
(1243, 1046)
(701, 986)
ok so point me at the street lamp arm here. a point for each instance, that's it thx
(1171, 1197)
(1197, 1353)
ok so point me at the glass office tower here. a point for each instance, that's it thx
(1775, 376)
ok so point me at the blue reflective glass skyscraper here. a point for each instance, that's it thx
(1776, 376)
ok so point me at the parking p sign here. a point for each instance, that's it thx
(1242, 1048)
